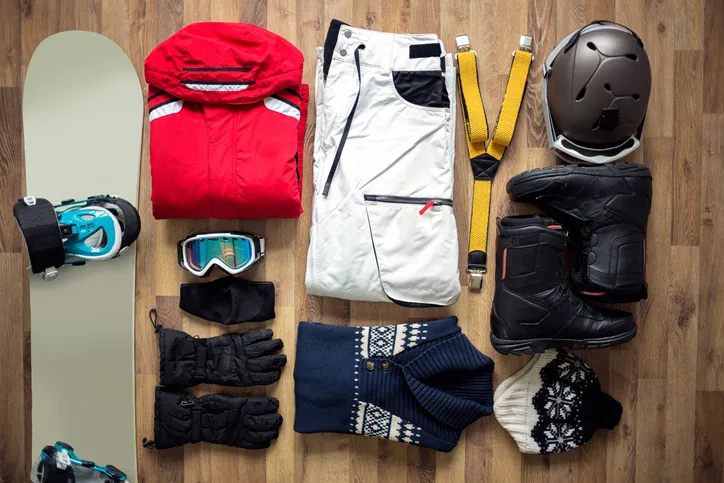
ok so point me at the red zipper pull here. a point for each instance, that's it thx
(429, 205)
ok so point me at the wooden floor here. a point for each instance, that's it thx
(670, 379)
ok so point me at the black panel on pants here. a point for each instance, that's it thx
(422, 88)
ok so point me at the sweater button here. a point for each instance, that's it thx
(386, 365)
(347, 33)
(342, 52)
(370, 365)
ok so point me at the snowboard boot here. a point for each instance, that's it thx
(534, 308)
(605, 210)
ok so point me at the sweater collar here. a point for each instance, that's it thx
(452, 381)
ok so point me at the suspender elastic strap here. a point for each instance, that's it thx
(484, 160)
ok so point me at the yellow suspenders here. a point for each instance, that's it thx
(485, 160)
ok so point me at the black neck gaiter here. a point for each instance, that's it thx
(229, 300)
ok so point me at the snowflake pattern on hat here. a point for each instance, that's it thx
(575, 370)
(559, 400)
(558, 403)
(559, 437)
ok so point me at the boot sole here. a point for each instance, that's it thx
(531, 346)
(519, 185)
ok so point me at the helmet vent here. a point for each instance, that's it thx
(581, 93)
(591, 46)
(636, 97)
(607, 86)
(632, 56)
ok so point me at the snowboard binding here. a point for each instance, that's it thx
(60, 464)
(74, 232)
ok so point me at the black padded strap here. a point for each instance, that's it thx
(196, 422)
(200, 372)
(478, 259)
(39, 224)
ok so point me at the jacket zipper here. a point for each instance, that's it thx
(409, 200)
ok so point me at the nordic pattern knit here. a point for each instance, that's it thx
(554, 404)
(417, 383)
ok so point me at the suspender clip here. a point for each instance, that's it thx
(475, 278)
(526, 43)
(463, 43)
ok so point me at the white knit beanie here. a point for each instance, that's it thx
(553, 404)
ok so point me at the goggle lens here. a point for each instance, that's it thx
(234, 252)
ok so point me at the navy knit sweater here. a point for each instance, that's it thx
(417, 383)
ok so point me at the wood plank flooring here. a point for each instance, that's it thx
(670, 379)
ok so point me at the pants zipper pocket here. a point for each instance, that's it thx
(409, 200)
(415, 247)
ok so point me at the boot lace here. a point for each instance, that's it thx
(581, 244)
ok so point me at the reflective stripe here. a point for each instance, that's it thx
(286, 108)
(165, 109)
(218, 87)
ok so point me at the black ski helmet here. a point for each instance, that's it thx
(596, 86)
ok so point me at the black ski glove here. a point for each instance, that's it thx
(228, 360)
(244, 422)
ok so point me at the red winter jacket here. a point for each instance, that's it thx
(227, 111)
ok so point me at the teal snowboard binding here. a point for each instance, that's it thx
(74, 232)
(60, 464)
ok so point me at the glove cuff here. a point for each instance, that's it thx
(182, 358)
(185, 425)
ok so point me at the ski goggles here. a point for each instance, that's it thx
(233, 252)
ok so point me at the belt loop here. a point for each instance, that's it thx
(386, 60)
(200, 371)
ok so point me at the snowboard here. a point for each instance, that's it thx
(82, 123)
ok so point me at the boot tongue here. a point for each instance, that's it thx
(582, 244)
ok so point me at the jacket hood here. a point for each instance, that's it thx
(224, 63)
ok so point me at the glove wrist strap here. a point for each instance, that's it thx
(196, 422)
(201, 352)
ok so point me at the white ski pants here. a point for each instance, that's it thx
(382, 225)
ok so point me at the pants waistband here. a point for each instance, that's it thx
(384, 50)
